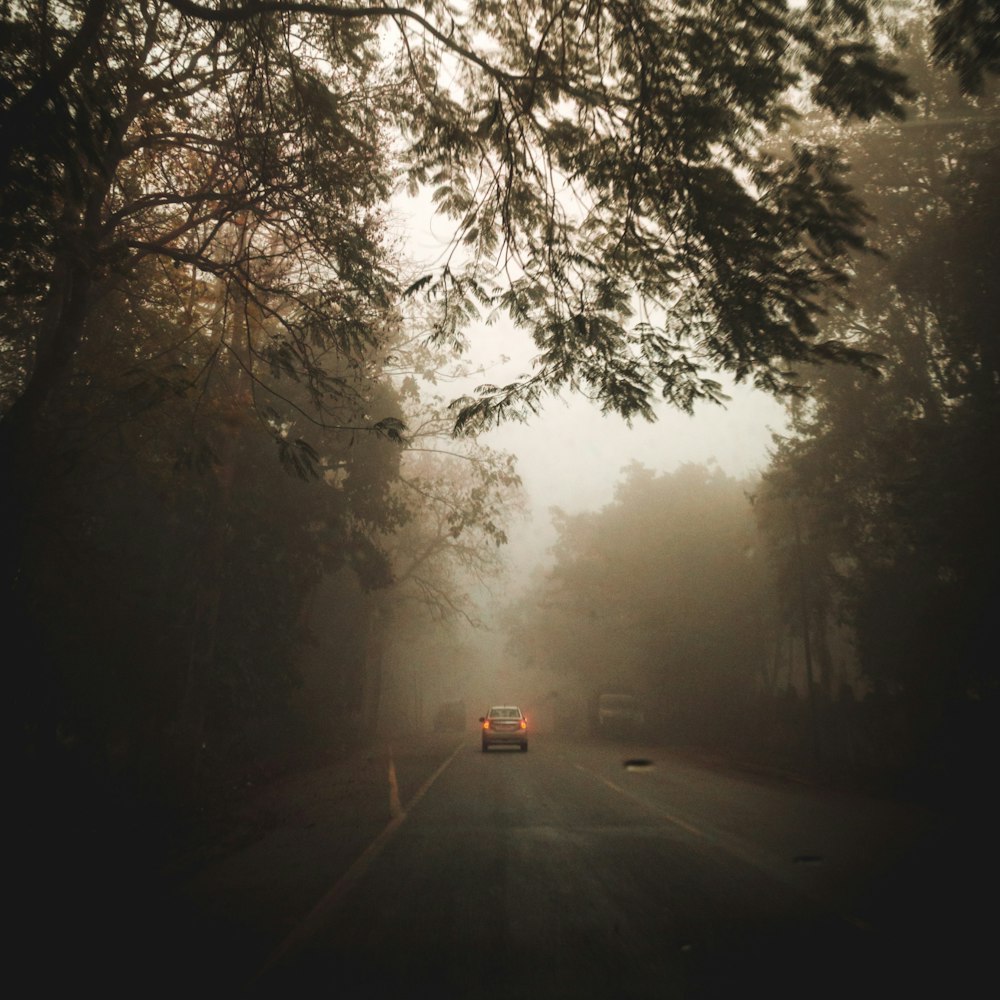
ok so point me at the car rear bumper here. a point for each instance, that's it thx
(513, 737)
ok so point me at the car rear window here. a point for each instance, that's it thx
(504, 713)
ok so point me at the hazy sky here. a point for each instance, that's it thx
(571, 456)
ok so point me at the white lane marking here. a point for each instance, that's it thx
(396, 810)
(662, 813)
(314, 918)
(730, 845)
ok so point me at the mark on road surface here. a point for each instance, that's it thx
(395, 806)
(657, 811)
(314, 918)
(737, 848)
(637, 764)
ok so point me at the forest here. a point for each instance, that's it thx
(234, 478)
(840, 607)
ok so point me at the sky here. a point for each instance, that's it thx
(571, 456)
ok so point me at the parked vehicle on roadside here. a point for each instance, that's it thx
(619, 715)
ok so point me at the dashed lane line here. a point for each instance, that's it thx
(396, 810)
(662, 813)
(728, 844)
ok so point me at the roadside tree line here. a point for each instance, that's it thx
(198, 289)
(842, 605)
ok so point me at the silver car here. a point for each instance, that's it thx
(504, 724)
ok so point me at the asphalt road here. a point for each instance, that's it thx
(580, 869)
(587, 869)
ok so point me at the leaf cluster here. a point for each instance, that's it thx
(646, 239)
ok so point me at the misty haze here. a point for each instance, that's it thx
(500, 498)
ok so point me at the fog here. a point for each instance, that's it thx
(274, 288)
(571, 456)
(571, 459)
(276, 283)
(847, 490)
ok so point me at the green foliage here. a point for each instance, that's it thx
(967, 39)
(893, 477)
(243, 154)
(663, 592)
(608, 167)
(457, 497)
(619, 151)
(171, 557)
(194, 277)
(193, 295)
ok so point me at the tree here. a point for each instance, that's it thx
(608, 166)
(662, 592)
(453, 502)
(191, 254)
(164, 601)
(138, 141)
(607, 177)
(967, 39)
(898, 489)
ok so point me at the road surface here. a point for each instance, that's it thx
(579, 869)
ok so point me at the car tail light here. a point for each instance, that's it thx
(486, 723)
(524, 723)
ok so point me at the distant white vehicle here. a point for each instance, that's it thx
(619, 715)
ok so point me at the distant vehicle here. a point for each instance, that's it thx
(450, 717)
(504, 725)
(619, 715)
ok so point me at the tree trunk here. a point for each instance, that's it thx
(28, 439)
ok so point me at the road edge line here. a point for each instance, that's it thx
(311, 921)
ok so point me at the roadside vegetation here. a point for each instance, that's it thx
(837, 611)
(231, 486)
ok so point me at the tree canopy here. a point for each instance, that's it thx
(605, 164)
(195, 262)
